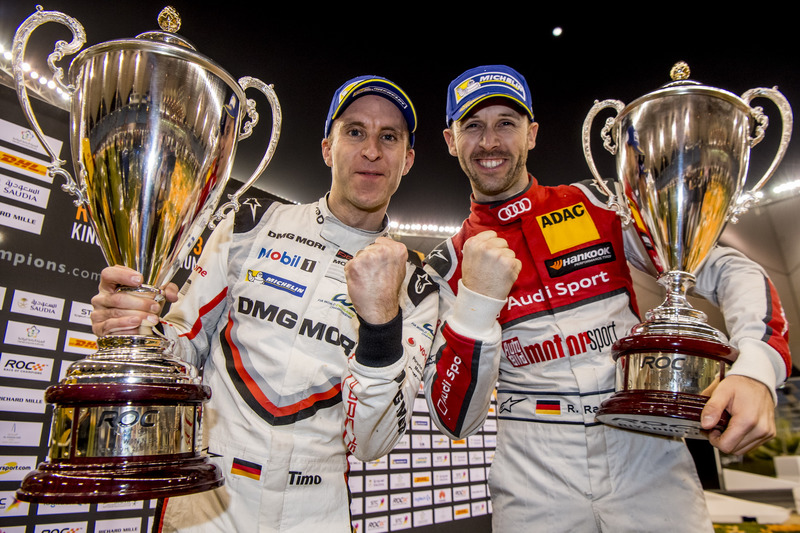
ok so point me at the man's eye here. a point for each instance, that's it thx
(353, 132)
(389, 137)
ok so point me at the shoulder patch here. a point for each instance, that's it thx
(250, 213)
(420, 286)
(439, 259)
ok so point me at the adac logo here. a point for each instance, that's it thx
(567, 227)
(514, 209)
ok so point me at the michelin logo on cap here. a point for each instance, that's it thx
(474, 83)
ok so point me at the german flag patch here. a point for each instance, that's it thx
(241, 467)
(548, 407)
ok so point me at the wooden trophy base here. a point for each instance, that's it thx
(122, 442)
(119, 480)
(663, 383)
(672, 414)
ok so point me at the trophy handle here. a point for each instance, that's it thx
(247, 128)
(21, 37)
(747, 199)
(610, 144)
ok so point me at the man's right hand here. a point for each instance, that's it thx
(122, 313)
(489, 266)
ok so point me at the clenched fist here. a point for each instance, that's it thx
(374, 277)
(489, 266)
(121, 312)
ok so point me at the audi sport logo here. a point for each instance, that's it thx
(509, 211)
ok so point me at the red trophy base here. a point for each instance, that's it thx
(122, 442)
(662, 382)
(118, 480)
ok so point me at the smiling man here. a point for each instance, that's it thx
(311, 359)
(513, 322)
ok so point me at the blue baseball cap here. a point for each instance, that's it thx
(480, 83)
(365, 85)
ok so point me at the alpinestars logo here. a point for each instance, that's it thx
(585, 257)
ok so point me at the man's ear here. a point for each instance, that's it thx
(326, 151)
(449, 138)
(533, 129)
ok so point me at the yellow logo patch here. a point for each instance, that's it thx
(567, 227)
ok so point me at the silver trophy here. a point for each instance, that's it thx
(154, 127)
(682, 155)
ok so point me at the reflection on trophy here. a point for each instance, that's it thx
(682, 154)
(154, 126)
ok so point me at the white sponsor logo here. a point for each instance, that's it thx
(25, 367)
(119, 525)
(61, 508)
(22, 219)
(22, 400)
(507, 212)
(23, 191)
(120, 506)
(376, 504)
(376, 483)
(400, 481)
(15, 467)
(401, 521)
(11, 506)
(20, 433)
(31, 335)
(80, 342)
(379, 524)
(400, 501)
(423, 518)
(25, 138)
(64, 527)
(30, 303)
(80, 313)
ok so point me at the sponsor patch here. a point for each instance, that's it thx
(264, 278)
(583, 258)
(240, 467)
(567, 227)
(548, 407)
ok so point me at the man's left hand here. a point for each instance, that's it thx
(374, 277)
(752, 414)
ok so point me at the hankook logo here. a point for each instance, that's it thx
(507, 212)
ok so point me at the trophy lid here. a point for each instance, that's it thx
(682, 85)
(165, 42)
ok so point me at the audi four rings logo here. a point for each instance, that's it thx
(509, 211)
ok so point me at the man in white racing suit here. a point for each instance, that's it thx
(310, 326)
(535, 288)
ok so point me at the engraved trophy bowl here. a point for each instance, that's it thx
(154, 128)
(682, 155)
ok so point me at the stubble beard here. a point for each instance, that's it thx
(493, 187)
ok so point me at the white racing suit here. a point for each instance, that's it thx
(547, 351)
(298, 383)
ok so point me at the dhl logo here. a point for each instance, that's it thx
(82, 343)
(19, 162)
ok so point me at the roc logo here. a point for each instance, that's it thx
(567, 227)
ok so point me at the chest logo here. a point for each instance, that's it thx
(567, 227)
(507, 212)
